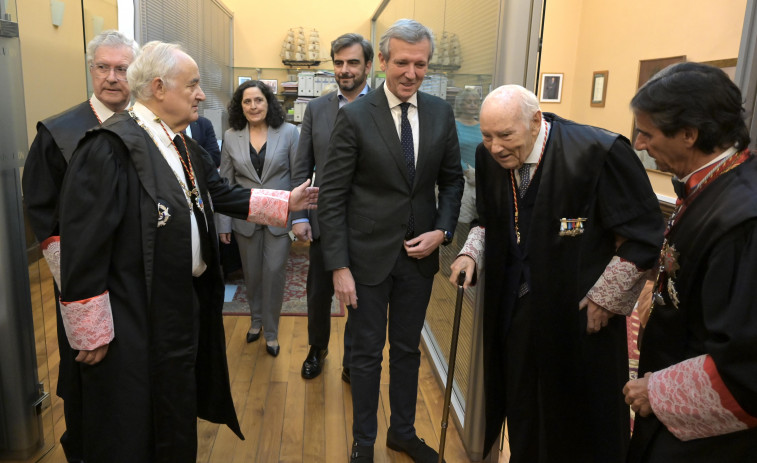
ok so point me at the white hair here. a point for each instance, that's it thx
(529, 104)
(113, 39)
(157, 59)
(407, 30)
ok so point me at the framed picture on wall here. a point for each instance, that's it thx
(273, 84)
(242, 79)
(727, 65)
(551, 88)
(599, 89)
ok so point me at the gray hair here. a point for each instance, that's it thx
(409, 31)
(528, 102)
(158, 59)
(465, 93)
(113, 39)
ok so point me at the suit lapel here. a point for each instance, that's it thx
(331, 109)
(243, 153)
(425, 129)
(272, 143)
(382, 117)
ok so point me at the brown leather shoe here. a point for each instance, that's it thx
(313, 364)
(417, 448)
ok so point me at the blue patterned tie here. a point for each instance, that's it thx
(525, 179)
(406, 139)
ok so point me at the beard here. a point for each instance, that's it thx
(352, 84)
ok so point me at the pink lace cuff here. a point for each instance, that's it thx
(89, 322)
(269, 207)
(692, 401)
(51, 253)
(474, 245)
(619, 286)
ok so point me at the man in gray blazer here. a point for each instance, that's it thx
(352, 56)
(381, 227)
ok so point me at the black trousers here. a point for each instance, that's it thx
(406, 293)
(320, 292)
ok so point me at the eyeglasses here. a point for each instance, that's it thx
(102, 70)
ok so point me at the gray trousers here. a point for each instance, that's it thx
(264, 258)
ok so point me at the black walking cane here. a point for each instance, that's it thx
(452, 358)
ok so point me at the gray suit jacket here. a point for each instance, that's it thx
(366, 197)
(312, 151)
(236, 166)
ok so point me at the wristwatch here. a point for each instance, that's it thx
(447, 236)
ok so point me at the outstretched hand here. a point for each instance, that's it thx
(303, 197)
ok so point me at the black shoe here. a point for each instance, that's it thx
(346, 375)
(417, 448)
(252, 337)
(361, 453)
(313, 364)
(273, 350)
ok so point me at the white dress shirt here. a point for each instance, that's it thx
(165, 145)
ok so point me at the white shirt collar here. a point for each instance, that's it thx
(722, 156)
(536, 151)
(394, 101)
(152, 122)
(102, 111)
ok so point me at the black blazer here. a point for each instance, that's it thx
(312, 151)
(366, 197)
(205, 136)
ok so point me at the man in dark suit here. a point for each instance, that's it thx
(382, 225)
(202, 132)
(352, 56)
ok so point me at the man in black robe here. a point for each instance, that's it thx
(108, 55)
(141, 285)
(696, 399)
(568, 223)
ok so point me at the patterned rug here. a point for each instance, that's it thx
(295, 294)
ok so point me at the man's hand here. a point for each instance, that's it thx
(637, 395)
(91, 357)
(225, 238)
(344, 287)
(462, 263)
(423, 245)
(596, 316)
(302, 231)
(303, 197)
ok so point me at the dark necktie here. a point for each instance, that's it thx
(525, 179)
(406, 139)
(202, 224)
(680, 188)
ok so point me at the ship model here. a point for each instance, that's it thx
(447, 53)
(297, 51)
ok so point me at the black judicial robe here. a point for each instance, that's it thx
(44, 169)
(716, 239)
(589, 173)
(166, 365)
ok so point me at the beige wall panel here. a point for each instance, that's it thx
(260, 27)
(52, 60)
(584, 36)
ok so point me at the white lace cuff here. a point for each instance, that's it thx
(619, 286)
(269, 207)
(89, 322)
(474, 246)
(51, 253)
(692, 401)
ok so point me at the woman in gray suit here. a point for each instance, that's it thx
(258, 152)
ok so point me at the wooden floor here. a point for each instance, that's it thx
(285, 418)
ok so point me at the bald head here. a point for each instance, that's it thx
(510, 122)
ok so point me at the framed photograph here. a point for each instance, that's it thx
(727, 65)
(242, 79)
(599, 89)
(551, 88)
(273, 84)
